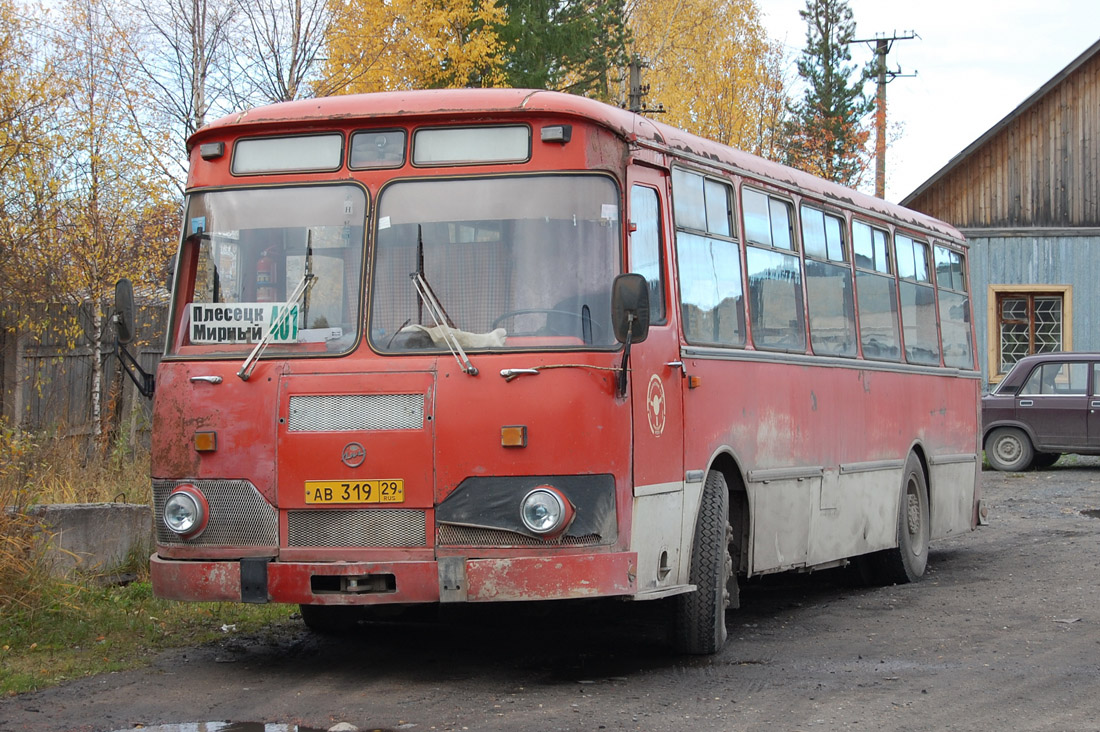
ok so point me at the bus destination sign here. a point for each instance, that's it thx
(243, 322)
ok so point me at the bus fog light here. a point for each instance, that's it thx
(545, 511)
(186, 512)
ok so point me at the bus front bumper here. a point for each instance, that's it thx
(448, 579)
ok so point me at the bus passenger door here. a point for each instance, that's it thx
(657, 399)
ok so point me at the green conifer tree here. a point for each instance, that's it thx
(827, 131)
(566, 45)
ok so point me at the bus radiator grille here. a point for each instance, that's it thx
(239, 515)
(353, 412)
(350, 528)
(450, 535)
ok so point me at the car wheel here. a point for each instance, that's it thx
(1045, 459)
(1008, 449)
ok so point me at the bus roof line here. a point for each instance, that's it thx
(633, 128)
(886, 210)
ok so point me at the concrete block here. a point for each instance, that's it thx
(95, 536)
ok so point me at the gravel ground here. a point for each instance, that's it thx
(1003, 633)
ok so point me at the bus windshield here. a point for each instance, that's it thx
(517, 262)
(249, 250)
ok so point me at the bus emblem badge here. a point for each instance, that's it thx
(655, 405)
(354, 454)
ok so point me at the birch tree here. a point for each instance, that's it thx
(115, 213)
(181, 51)
(279, 51)
(30, 97)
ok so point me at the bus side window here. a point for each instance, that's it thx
(712, 305)
(918, 302)
(774, 271)
(876, 294)
(828, 284)
(954, 302)
(645, 247)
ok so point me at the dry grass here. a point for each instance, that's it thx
(60, 472)
(55, 628)
(42, 469)
(22, 543)
(24, 566)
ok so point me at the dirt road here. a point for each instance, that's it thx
(1002, 634)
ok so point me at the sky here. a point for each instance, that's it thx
(975, 61)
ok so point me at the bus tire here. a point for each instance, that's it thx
(907, 562)
(699, 624)
(331, 619)
(1009, 450)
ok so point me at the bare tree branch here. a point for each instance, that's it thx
(282, 47)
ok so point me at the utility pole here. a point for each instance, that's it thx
(638, 91)
(882, 46)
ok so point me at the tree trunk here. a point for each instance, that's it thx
(97, 371)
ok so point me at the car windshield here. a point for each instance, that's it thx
(284, 261)
(518, 262)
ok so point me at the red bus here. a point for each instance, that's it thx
(503, 345)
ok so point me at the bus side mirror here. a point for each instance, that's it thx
(630, 308)
(123, 315)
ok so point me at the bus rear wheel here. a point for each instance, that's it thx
(699, 624)
(907, 562)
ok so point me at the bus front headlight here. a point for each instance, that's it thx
(186, 511)
(545, 511)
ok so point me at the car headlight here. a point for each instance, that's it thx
(545, 511)
(186, 511)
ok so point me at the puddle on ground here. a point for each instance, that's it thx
(235, 727)
(1093, 513)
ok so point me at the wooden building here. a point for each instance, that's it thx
(1027, 196)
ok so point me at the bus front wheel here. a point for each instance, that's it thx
(699, 625)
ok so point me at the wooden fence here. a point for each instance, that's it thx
(46, 384)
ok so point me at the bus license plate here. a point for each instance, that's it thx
(329, 492)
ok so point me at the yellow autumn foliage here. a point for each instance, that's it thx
(85, 202)
(710, 64)
(30, 96)
(381, 45)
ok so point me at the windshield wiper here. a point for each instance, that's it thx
(435, 309)
(302, 290)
